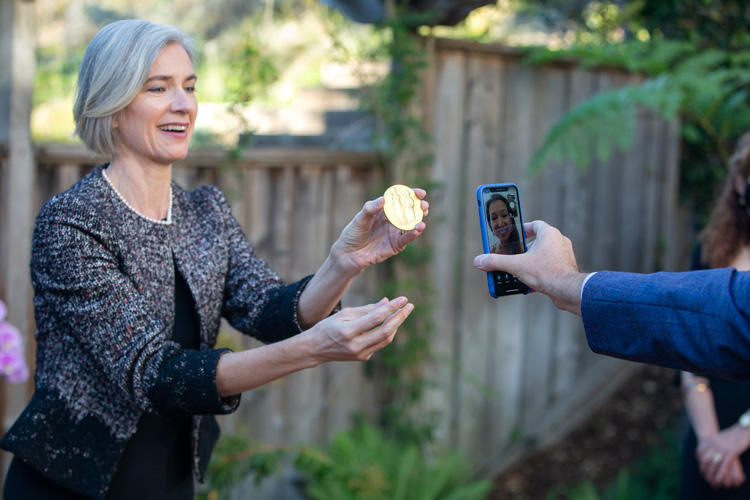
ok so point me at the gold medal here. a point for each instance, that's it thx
(403, 208)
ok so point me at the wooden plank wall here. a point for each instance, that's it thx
(506, 373)
(514, 373)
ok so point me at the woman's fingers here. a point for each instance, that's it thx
(354, 313)
(382, 335)
(410, 236)
(364, 330)
(734, 474)
(421, 193)
(378, 315)
(720, 475)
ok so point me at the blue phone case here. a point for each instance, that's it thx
(501, 283)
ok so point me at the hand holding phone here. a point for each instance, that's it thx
(502, 232)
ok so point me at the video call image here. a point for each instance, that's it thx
(501, 215)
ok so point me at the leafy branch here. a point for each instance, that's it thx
(606, 121)
(708, 89)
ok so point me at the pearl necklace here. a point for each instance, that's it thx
(164, 222)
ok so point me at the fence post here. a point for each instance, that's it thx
(17, 66)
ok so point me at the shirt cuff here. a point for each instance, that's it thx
(586, 280)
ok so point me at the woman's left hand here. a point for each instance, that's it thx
(718, 457)
(369, 238)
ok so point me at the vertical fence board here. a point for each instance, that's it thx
(651, 186)
(445, 207)
(673, 219)
(478, 338)
(545, 194)
(18, 66)
(629, 221)
(576, 223)
(494, 171)
(308, 248)
(512, 312)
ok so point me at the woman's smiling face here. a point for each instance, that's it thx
(500, 220)
(157, 126)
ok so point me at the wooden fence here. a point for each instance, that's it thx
(507, 374)
(518, 370)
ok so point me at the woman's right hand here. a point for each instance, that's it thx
(352, 334)
(728, 444)
(355, 333)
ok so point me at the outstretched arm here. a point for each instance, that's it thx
(697, 321)
(352, 334)
(368, 239)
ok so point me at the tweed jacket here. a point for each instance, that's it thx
(103, 280)
(697, 321)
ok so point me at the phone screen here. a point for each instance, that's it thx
(502, 232)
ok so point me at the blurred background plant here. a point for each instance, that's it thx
(361, 463)
(694, 57)
(366, 464)
(653, 476)
(12, 361)
(257, 53)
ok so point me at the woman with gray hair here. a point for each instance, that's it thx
(132, 275)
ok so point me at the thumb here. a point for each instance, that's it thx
(373, 207)
(492, 262)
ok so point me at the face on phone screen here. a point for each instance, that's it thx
(502, 219)
(500, 212)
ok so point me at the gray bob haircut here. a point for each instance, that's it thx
(115, 66)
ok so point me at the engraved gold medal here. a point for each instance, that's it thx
(403, 208)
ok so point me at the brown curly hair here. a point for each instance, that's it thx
(728, 228)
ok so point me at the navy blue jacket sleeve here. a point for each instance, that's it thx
(697, 321)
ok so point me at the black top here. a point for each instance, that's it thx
(157, 459)
(731, 399)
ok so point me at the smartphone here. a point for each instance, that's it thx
(502, 232)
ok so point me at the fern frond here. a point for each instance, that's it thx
(702, 62)
(606, 122)
(740, 58)
(651, 58)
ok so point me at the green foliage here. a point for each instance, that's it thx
(707, 89)
(358, 464)
(56, 74)
(702, 48)
(401, 129)
(605, 122)
(705, 24)
(249, 72)
(365, 464)
(583, 21)
(654, 476)
(650, 58)
(234, 459)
